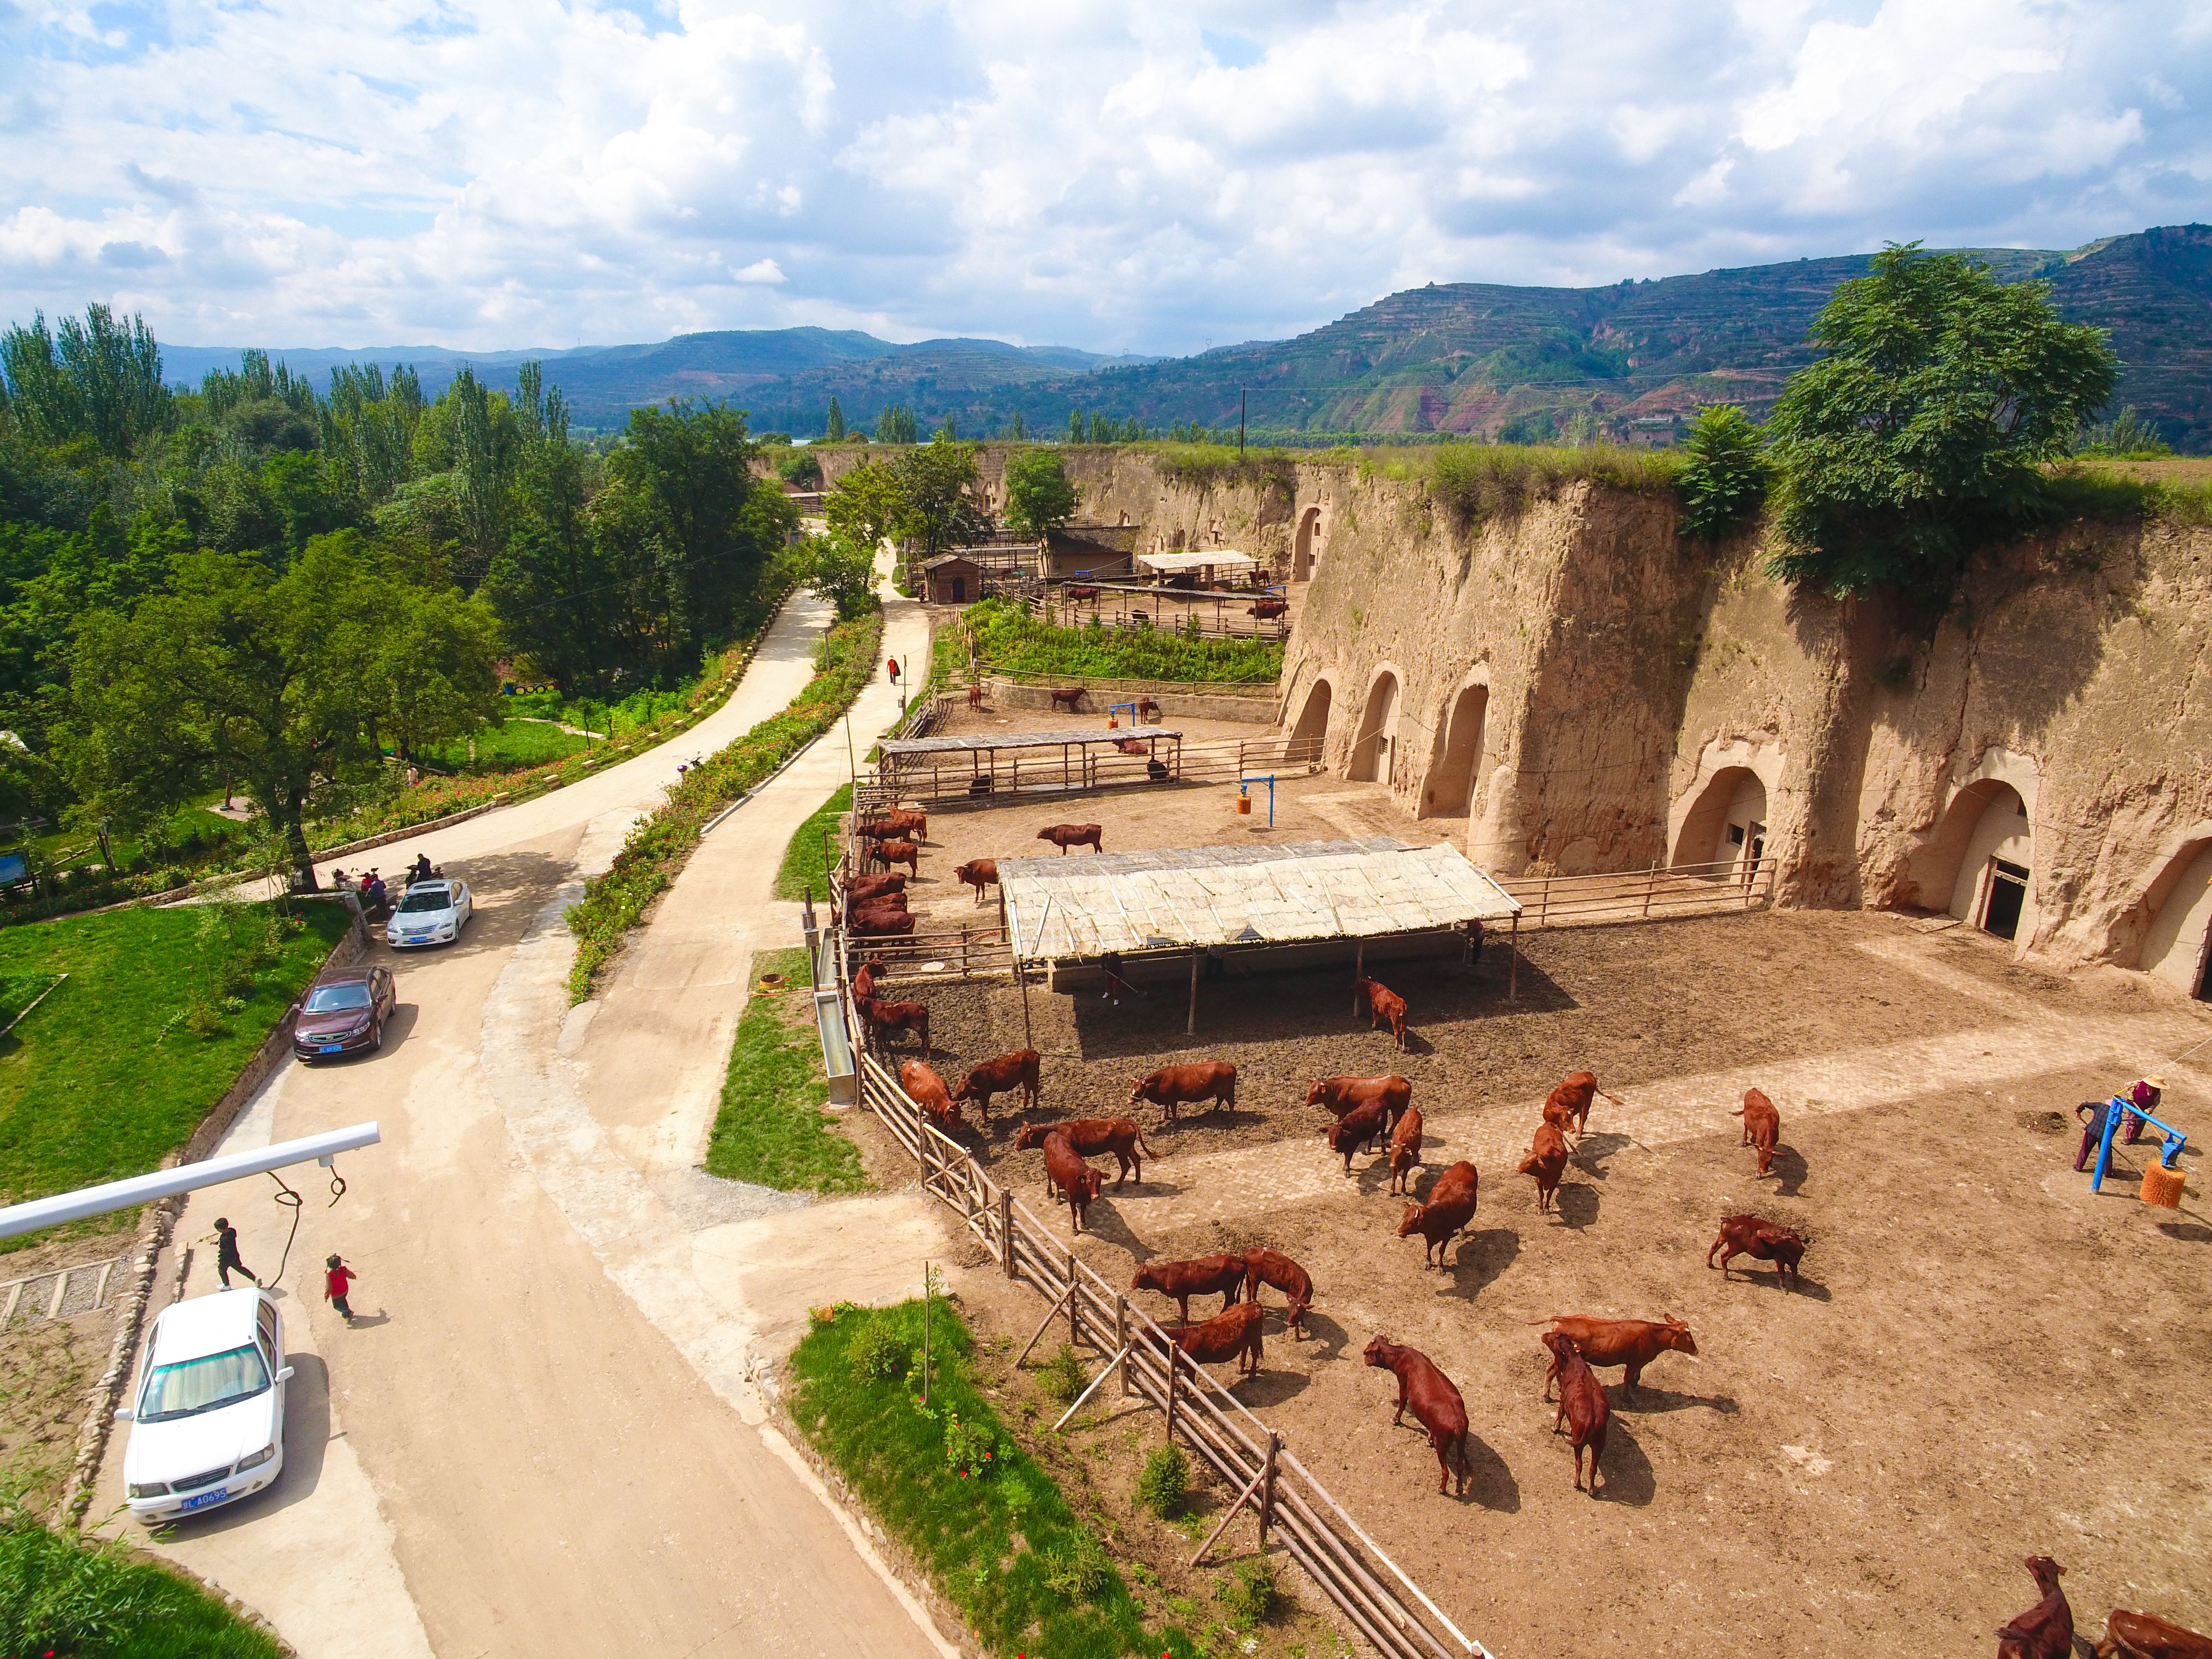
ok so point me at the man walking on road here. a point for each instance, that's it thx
(226, 1253)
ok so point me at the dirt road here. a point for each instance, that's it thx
(552, 1408)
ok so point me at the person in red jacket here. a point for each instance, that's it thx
(337, 1279)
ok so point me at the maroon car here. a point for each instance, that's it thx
(343, 1013)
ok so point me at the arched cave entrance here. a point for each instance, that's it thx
(1449, 791)
(1981, 860)
(1371, 753)
(2178, 946)
(1301, 547)
(1728, 825)
(1312, 729)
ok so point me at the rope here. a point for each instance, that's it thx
(292, 1201)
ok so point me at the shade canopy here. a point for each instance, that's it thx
(1172, 564)
(1083, 907)
(903, 747)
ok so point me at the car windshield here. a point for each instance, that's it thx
(337, 999)
(192, 1386)
(433, 898)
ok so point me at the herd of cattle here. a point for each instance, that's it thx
(1367, 1113)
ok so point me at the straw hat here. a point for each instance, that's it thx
(2155, 1082)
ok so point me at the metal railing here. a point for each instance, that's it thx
(938, 781)
(1374, 1594)
(1638, 894)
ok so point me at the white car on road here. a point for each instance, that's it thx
(430, 913)
(208, 1426)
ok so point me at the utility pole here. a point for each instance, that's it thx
(1240, 420)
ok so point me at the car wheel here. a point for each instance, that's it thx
(376, 1036)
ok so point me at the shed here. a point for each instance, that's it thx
(1088, 552)
(954, 578)
(1202, 567)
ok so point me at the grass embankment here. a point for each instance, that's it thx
(1007, 640)
(522, 741)
(66, 1593)
(805, 865)
(771, 1129)
(161, 1009)
(657, 847)
(992, 1529)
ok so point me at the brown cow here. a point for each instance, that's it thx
(1081, 591)
(1633, 1343)
(1133, 745)
(2045, 1631)
(974, 696)
(1762, 1241)
(2147, 1636)
(1093, 1135)
(862, 889)
(1761, 1124)
(1357, 1127)
(1582, 1406)
(1341, 1094)
(1438, 1406)
(882, 1016)
(1547, 1162)
(874, 924)
(1273, 1267)
(888, 853)
(1383, 1004)
(1405, 1150)
(1450, 1207)
(864, 982)
(1147, 708)
(1064, 835)
(1206, 1275)
(1018, 1070)
(1181, 1086)
(1568, 1104)
(921, 1081)
(1268, 610)
(1233, 1334)
(1072, 1176)
(978, 873)
(896, 826)
(883, 904)
(1070, 695)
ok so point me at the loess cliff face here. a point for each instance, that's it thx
(1589, 693)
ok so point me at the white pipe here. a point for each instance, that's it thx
(185, 1178)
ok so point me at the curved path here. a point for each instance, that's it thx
(550, 1399)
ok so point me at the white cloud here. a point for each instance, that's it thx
(1130, 174)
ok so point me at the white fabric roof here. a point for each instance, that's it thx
(1083, 905)
(1220, 558)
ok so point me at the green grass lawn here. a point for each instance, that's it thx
(503, 747)
(107, 1076)
(1008, 640)
(61, 1593)
(771, 1128)
(1056, 1596)
(805, 867)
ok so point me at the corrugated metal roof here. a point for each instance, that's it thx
(1083, 906)
(902, 746)
(1220, 558)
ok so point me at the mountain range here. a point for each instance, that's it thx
(1487, 359)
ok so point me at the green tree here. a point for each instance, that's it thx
(1077, 431)
(1016, 429)
(98, 380)
(833, 429)
(934, 478)
(840, 570)
(1919, 434)
(866, 504)
(895, 425)
(1039, 497)
(1723, 475)
(433, 676)
(802, 468)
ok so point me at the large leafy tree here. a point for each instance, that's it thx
(866, 504)
(935, 479)
(99, 380)
(1039, 497)
(1918, 435)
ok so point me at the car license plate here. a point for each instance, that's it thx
(329, 1047)
(204, 1499)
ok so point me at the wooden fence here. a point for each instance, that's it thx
(1379, 1600)
(946, 779)
(1639, 895)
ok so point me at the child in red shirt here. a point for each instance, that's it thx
(336, 1279)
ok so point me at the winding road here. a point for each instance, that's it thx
(544, 1437)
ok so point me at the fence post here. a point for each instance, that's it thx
(1268, 1487)
(1006, 1227)
(1650, 881)
(1121, 1337)
(1172, 1353)
(1074, 1328)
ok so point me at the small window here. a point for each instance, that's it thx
(1735, 835)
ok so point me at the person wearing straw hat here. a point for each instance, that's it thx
(2144, 1098)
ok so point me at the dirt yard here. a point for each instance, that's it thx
(1984, 1363)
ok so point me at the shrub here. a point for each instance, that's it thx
(202, 1017)
(876, 1354)
(1062, 1376)
(1165, 1481)
(1077, 1568)
(971, 1451)
(1723, 476)
(1247, 1593)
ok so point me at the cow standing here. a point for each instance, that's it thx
(1273, 1267)
(888, 853)
(1232, 1334)
(1761, 1240)
(1762, 1124)
(1341, 1094)
(1384, 1005)
(1170, 1087)
(1069, 696)
(978, 873)
(1450, 1207)
(921, 1081)
(1363, 1124)
(1072, 1176)
(1405, 1150)
(1582, 1406)
(1206, 1275)
(1547, 1162)
(1090, 1136)
(881, 1016)
(1568, 1104)
(2045, 1631)
(1018, 1070)
(1438, 1405)
(1064, 835)
(1632, 1343)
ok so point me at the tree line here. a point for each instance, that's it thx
(264, 583)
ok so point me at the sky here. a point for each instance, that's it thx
(1138, 176)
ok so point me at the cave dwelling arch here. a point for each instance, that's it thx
(1305, 545)
(2177, 944)
(1374, 751)
(1448, 790)
(1310, 735)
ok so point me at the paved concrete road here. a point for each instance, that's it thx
(554, 1407)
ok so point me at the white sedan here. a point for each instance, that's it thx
(208, 1424)
(430, 913)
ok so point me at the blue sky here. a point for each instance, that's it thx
(1134, 176)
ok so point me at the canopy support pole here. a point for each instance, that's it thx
(1190, 1025)
(1513, 961)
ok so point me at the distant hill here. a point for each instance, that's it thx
(1486, 359)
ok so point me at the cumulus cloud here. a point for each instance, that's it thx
(1135, 175)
